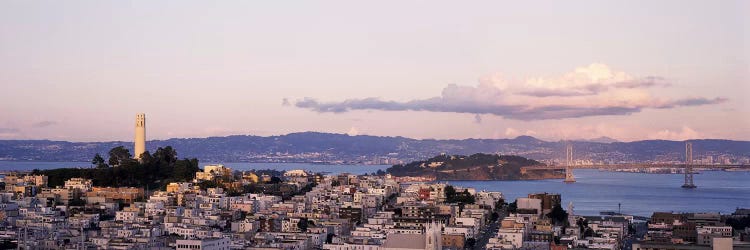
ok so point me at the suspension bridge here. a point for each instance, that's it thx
(687, 165)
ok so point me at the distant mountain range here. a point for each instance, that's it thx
(341, 148)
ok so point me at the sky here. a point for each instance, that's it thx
(555, 70)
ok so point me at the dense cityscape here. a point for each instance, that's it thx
(225, 209)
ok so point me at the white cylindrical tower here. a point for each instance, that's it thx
(140, 135)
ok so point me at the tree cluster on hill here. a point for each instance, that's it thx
(121, 170)
(473, 167)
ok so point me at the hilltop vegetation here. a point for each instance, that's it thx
(153, 171)
(472, 167)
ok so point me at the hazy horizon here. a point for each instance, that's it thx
(627, 70)
(467, 138)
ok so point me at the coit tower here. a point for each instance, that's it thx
(140, 135)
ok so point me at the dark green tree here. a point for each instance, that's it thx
(470, 242)
(588, 233)
(582, 224)
(119, 155)
(148, 173)
(208, 184)
(739, 224)
(512, 207)
(275, 180)
(450, 192)
(398, 211)
(146, 158)
(98, 161)
(494, 216)
(302, 224)
(166, 154)
(631, 229)
(466, 197)
(558, 215)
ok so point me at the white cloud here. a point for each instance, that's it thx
(511, 132)
(594, 90)
(353, 131)
(686, 133)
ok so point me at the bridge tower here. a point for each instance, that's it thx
(689, 166)
(569, 178)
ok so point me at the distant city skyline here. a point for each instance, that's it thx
(628, 70)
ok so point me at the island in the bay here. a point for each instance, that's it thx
(474, 167)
